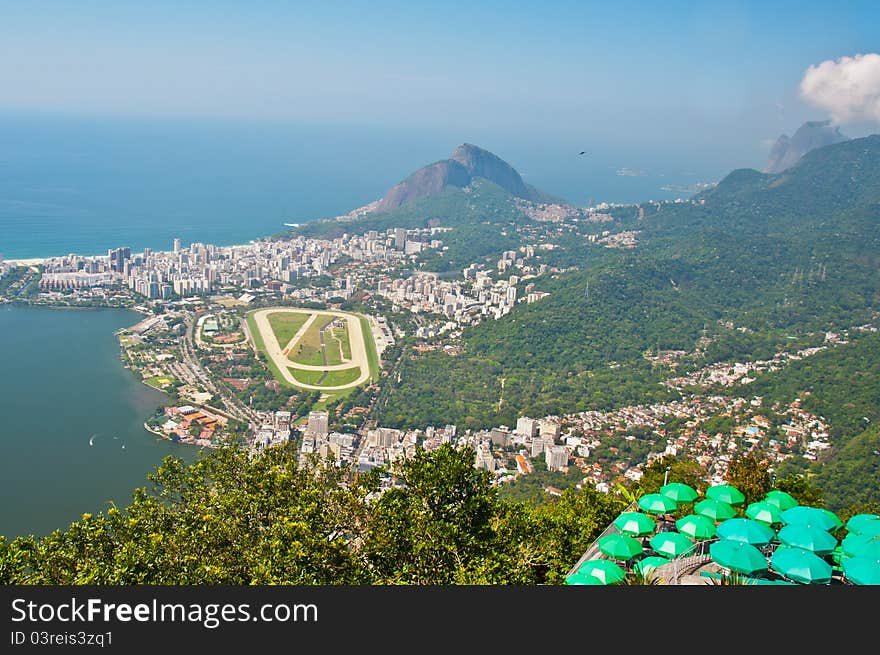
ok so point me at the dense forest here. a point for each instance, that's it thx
(841, 384)
(230, 518)
(235, 519)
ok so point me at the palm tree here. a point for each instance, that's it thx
(731, 578)
(638, 578)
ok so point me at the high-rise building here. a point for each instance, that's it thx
(177, 245)
(319, 423)
(549, 428)
(399, 237)
(118, 257)
(526, 426)
(556, 458)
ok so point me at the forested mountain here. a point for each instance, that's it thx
(740, 271)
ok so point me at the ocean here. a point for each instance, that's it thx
(85, 184)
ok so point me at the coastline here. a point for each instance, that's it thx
(36, 261)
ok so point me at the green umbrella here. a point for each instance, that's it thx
(861, 545)
(808, 537)
(868, 524)
(696, 526)
(679, 492)
(596, 571)
(782, 499)
(657, 503)
(737, 556)
(764, 511)
(716, 510)
(801, 566)
(648, 564)
(726, 493)
(832, 517)
(862, 570)
(671, 544)
(816, 516)
(746, 530)
(635, 523)
(619, 546)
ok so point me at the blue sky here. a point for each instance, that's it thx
(698, 74)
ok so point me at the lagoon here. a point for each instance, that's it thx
(62, 386)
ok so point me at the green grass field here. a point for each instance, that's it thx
(286, 325)
(333, 379)
(337, 345)
(261, 346)
(308, 349)
(370, 343)
(159, 381)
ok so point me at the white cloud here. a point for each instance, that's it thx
(848, 89)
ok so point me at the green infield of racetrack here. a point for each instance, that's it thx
(286, 325)
(261, 347)
(369, 343)
(334, 378)
(308, 349)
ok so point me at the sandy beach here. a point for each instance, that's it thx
(26, 262)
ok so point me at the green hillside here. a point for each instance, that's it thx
(765, 261)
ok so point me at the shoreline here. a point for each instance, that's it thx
(36, 261)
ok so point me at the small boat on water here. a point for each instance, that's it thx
(92, 439)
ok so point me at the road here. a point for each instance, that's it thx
(279, 357)
(199, 375)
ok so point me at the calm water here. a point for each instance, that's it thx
(61, 383)
(84, 185)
